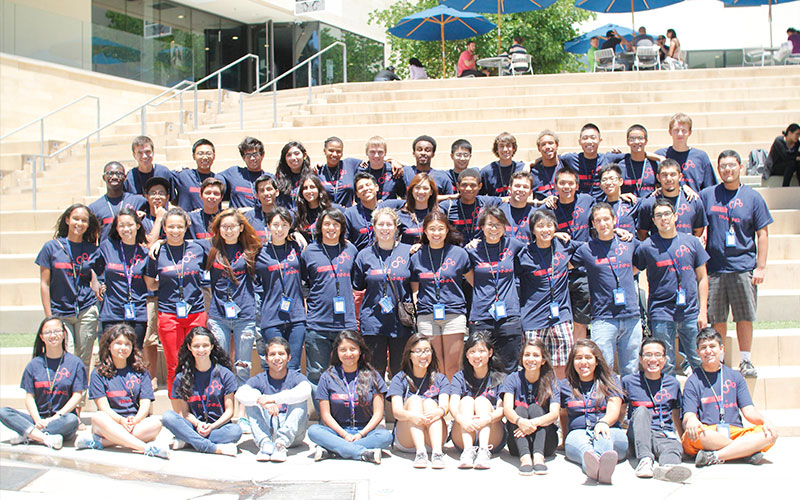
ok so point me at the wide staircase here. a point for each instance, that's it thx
(733, 108)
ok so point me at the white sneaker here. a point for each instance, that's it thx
(18, 439)
(467, 460)
(244, 424)
(54, 441)
(645, 467)
(482, 459)
(228, 449)
(157, 450)
(280, 454)
(178, 444)
(88, 441)
(672, 473)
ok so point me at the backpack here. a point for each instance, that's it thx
(756, 163)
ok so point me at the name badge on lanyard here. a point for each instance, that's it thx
(681, 298)
(554, 310)
(498, 310)
(724, 429)
(386, 304)
(619, 296)
(730, 238)
(182, 309)
(286, 304)
(231, 310)
(130, 311)
(339, 305)
(438, 312)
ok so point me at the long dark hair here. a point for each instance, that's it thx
(302, 204)
(113, 234)
(367, 376)
(547, 375)
(407, 367)
(186, 360)
(105, 364)
(453, 236)
(38, 343)
(248, 239)
(92, 232)
(283, 172)
(495, 375)
(602, 373)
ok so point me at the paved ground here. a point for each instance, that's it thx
(33, 471)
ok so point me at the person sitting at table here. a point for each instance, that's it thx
(594, 46)
(613, 39)
(416, 71)
(642, 39)
(663, 48)
(466, 62)
(673, 59)
(386, 75)
(794, 36)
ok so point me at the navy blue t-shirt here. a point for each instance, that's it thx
(135, 179)
(539, 271)
(664, 260)
(482, 387)
(746, 212)
(496, 178)
(445, 266)
(175, 266)
(493, 267)
(278, 271)
(290, 202)
(371, 270)
(339, 389)
(426, 389)
(258, 219)
(240, 185)
(187, 188)
(110, 264)
(200, 228)
(410, 226)
(389, 188)
(661, 396)
(268, 386)
(223, 289)
(573, 218)
(691, 214)
(599, 257)
(53, 381)
(124, 391)
(587, 168)
(519, 226)
(465, 217)
(638, 177)
(443, 183)
(327, 269)
(70, 275)
(584, 411)
(698, 172)
(544, 179)
(105, 209)
(339, 182)
(207, 402)
(359, 225)
(526, 393)
(626, 213)
(704, 393)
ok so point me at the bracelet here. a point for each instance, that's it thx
(602, 422)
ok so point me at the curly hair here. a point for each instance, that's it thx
(248, 239)
(105, 363)
(186, 363)
(367, 376)
(92, 231)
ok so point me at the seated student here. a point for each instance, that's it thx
(461, 154)
(212, 190)
(713, 398)
(784, 155)
(120, 387)
(420, 395)
(654, 400)
(276, 404)
(203, 392)
(351, 399)
(54, 381)
(592, 398)
(496, 176)
(531, 404)
(475, 403)
(416, 71)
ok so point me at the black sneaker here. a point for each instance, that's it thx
(747, 369)
(526, 470)
(540, 469)
(372, 456)
(755, 458)
(706, 458)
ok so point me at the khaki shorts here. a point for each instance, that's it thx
(451, 324)
(151, 335)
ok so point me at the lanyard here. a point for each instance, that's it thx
(436, 272)
(586, 403)
(638, 178)
(333, 267)
(515, 226)
(280, 264)
(646, 385)
(350, 387)
(672, 260)
(563, 213)
(51, 383)
(528, 388)
(547, 269)
(227, 277)
(175, 263)
(338, 177)
(386, 270)
(495, 275)
(203, 395)
(76, 268)
(110, 207)
(128, 270)
(618, 210)
(503, 183)
(367, 220)
(719, 399)
(608, 259)
(728, 204)
(472, 220)
(419, 387)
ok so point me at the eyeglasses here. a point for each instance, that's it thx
(610, 179)
(163, 194)
(230, 227)
(205, 153)
(47, 333)
(653, 355)
(494, 226)
(663, 215)
(115, 174)
(462, 156)
(421, 352)
(251, 156)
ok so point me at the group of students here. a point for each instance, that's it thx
(512, 252)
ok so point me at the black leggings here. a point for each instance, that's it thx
(379, 344)
(544, 440)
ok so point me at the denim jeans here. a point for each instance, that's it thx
(319, 344)
(294, 333)
(82, 332)
(326, 437)
(619, 335)
(22, 423)
(687, 335)
(580, 441)
(288, 428)
(244, 334)
(185, 431)
(646, 442)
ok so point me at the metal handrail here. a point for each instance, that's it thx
(274, 82)
(47, 115)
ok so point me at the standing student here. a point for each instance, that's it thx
(326, 266)
(390, 187)
(240, 186)
(176, 273)
(108, 206)
(121, 389)
(461, 154)
(143, 151)
(421, 199)
(53, 381)
(592, 397)
(424, 149)
(610, 176)
(276, 402)
(66, 277)
(691, 214)
(589, 161)
(544, 170)
(496, 176)
(337, 175)
(475, 403)
(531, 405)
(464, 211)
(189, 181)
(157, 192)
(293, 164)
(616, 324)
(313, 200)
(359, 216)
(495, 300)
(517, 211)
(212, 190)
(121, 261)
(203, 390)
(267, 193)
(278, 269)
(654, 415)
(419, 394)
(382, 271)
(638, 167)
(351, 404)
(437, 272)
(698, 173)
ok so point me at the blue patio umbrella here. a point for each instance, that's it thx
(581, 44)
(441, 23)
(499, 6)
(755, 3)
(618, 6)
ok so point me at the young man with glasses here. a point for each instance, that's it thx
(240, 182)
(188, 181)
(108, 206)
(611, 185)
(691, 214)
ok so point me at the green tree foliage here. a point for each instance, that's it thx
(544, 33)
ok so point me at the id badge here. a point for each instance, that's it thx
(724, 429)
(619, 296)
(730, 239)
(182, 310)
(338, 305)
(438, 312)
(386, 304)
(670, 434)
(681, 299)
(130, 311)
(500, 309)
(286, 304)
(231, 310)
(206, 275)
(554, 310)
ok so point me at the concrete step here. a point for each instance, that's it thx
(28, 220)
(23, 241)
(778, 347)
(16, 266)
(783, 247)
(779, 198)
(778, 305)
(785, 420)
(20, 319)
(20, 291)
(776, 387)
(787, 221)
(781, 275)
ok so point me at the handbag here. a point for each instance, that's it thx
(406, 311)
